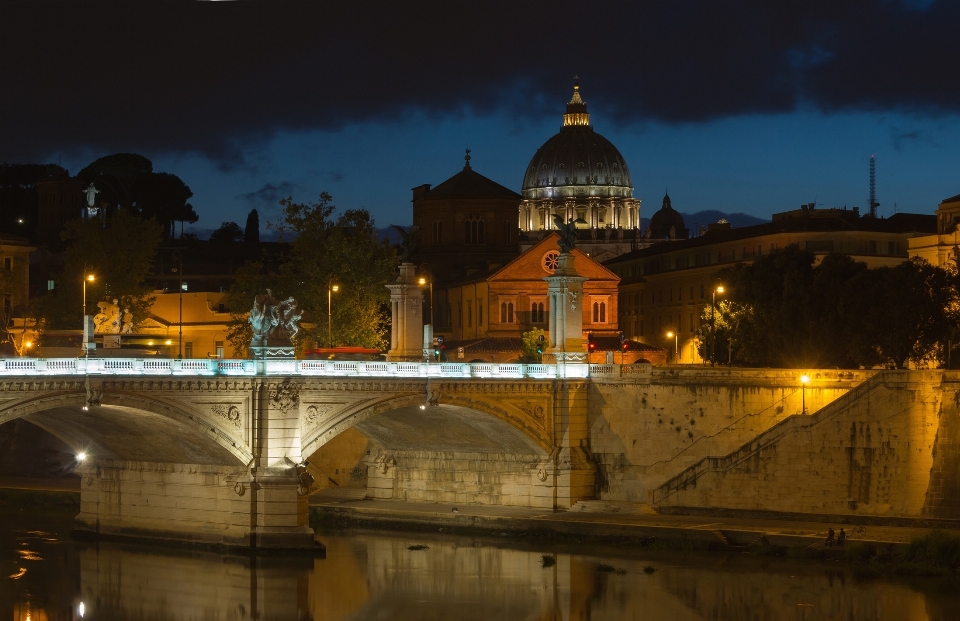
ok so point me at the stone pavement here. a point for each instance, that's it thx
(733, 531)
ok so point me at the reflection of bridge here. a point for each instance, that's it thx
(215, 450)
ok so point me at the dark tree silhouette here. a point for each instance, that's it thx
(228, 232)
(251, 233)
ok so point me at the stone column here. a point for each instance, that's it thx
(565, 293)
(406, 298)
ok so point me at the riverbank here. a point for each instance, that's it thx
(722, 530)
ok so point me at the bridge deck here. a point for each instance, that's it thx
(324, 368)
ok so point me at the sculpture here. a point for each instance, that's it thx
(108, 320)
(271, 319)
(568, 233)
(407, 246)
(91, 193)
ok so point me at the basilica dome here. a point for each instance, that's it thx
(667, 223)
(577, 162)
(578, 174)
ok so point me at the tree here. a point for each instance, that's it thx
(530, 345)
(343, 251)
(228, 232)
(913, 311)
(251, 232)
(13, 296)
(120, 255)
(163, 197)
(115, 176)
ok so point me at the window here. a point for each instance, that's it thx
(473, 230)
(599, 312)
(691, 292)
(7, 304)
(892, 248)
(183, 286)
(188, 350)
(50, 285)
(506, 312)
(8, 263)
(218, 346)
(221, 308)
(459, 314)
(536, 312)
(480, 312)
(437, 232)
(470, 313)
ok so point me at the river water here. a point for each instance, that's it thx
(46, 576)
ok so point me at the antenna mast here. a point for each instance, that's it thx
(873, 187)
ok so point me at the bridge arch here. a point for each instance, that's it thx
(524, 426)
(129, 426)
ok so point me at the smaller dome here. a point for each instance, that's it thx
(667, 223)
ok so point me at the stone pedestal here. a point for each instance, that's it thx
(565, 294)
(406, 312)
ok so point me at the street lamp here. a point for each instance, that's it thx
(179, 259)
(713, 323)
(804, 380)
(676, 344)
(331, 289)
(87, 336)
(423, 281)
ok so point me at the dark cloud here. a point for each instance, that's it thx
(901, 138)
(269, 194)
(214, 77)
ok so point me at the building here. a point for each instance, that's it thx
(943, 247)
(204, 322)
(466, 225)
(578, 173)
(483, 317)
(663, 288)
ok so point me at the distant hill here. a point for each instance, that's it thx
(702, 218)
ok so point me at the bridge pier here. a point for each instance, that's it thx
(205, 504)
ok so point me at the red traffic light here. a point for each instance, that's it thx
(625, 346)
(591, 346)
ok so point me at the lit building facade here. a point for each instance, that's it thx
(943, 247)
(663, 288)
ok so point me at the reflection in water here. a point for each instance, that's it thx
(377, 576)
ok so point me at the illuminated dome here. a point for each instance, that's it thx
(578, 173)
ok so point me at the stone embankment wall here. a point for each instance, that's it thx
(888, 448)
(648, 428)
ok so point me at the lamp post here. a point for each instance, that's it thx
(804, 380)
(86, 278)
(179, 259)
(713, 323)
(87, 338)
(331, 289)
(676, 344)
(423, 281)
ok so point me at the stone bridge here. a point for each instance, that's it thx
(218, 451)
(225, 451)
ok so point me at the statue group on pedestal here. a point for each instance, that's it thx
(273, 320)
(111, 321)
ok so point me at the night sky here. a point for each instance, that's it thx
(749, 106)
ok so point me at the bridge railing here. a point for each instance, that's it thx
(323, 368)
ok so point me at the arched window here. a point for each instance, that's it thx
(536, 312)
(473, 230)
(596, 313)
(509, 312)
(503, 312)
(603, 312)
(437, 232)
